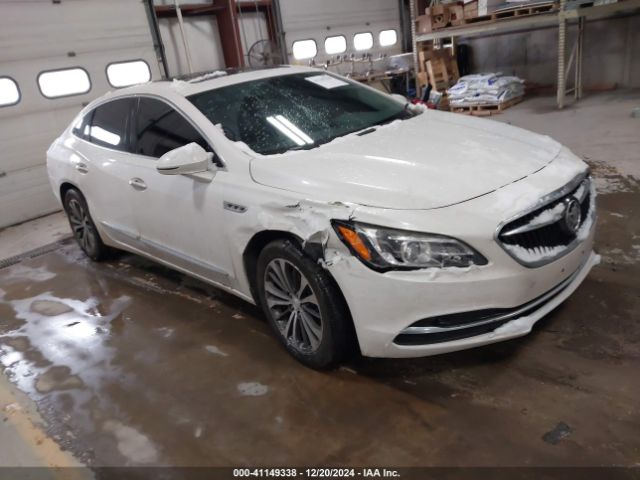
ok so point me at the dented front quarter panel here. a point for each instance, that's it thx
(270, 209)
(382, 304)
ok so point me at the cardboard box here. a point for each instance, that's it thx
(439, 16)
(487, 6)
(471, 9)
(422, 5)
(424, 54)
(423, 81)
(423, 24)
(456, 14)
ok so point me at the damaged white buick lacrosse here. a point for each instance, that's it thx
(350, 217)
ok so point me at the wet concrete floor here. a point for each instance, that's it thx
(133, 364)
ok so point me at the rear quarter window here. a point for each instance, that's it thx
(110, 122)
(81, 128)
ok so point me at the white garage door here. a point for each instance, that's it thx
(324, 29)
(73, 42)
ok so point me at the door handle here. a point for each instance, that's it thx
(138, 183)
(82, 168)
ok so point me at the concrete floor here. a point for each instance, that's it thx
(34, 234)
(129, 363)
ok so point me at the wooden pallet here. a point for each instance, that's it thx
(484, 110)
(442, 72)
(511, 13)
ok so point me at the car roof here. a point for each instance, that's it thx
(191, 84)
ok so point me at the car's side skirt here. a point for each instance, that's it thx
(172, 259)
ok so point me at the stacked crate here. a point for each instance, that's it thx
(438, 68)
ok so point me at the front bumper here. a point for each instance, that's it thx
(383, 306)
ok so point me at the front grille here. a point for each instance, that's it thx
(544, 234)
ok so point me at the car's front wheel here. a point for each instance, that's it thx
(82, 226)
(303, 305)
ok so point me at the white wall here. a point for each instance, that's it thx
(203, 39)
(202, 36)
(38, 35)
(253, 27)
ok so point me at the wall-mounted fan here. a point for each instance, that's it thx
(264, 53)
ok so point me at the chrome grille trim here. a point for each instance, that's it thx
(572, 186)
(529, 227)
(411, 330)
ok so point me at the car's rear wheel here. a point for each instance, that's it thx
(82, 226)
(303, 305)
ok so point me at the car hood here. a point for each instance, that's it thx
(430, 161)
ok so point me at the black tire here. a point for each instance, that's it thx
(337, 339)
(82, 226)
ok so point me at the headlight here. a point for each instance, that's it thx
(388, 249)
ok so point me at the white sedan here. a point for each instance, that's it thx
(350, 217)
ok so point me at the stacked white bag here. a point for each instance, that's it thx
(485, 89)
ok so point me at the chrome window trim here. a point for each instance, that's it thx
(544, 201)
(175, 257)
(132, 242)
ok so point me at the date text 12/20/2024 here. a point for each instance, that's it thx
(315, 473)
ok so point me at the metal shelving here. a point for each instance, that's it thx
(560, 18)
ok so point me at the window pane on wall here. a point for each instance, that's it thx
(388, 38)
(337, 44)
(9, 93)
(363, 41)
(61, 83)
(123, 74)
(304, 49)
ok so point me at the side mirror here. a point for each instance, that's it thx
(188, 159)
(399, 98)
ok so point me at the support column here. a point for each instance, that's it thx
(185, 43)
(562, 38)
(230, 36)
(414, 46)
(579, 57)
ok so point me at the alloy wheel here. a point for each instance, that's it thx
(293, 305)
(81, 225)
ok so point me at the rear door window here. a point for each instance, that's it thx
(110, 123)
(159, 128)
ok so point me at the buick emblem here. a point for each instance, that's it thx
(572, 216)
